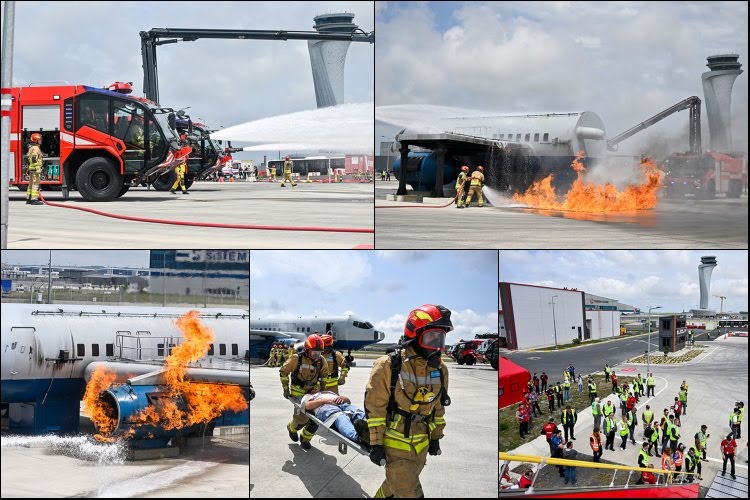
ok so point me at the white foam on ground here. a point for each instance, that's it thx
(153, 481)
(500, 200)
(81, 447)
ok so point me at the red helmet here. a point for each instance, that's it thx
(314, 346)
(464, 169)
(36, 137)
(480, 168)
(327, 340)
(286, 157)
(427, 316)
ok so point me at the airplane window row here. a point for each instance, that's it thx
(302, 329)
(110, 349)
(527, 137)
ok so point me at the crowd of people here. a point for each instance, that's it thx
(682, 461)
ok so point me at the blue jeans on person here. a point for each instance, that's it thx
(580, 389)
(570, 474)
(566, 394)
(344, 422)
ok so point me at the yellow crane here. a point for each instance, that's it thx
(721, 311)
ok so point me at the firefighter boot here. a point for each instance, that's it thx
(35, 202)
(292, 433)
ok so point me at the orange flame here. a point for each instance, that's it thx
(589, 197)
(101, 415)
(203, 402)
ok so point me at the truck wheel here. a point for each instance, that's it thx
(165, 181)
(189, 182)
(98, 180)
(125, 188)
(469, 360)
(494, 364)
(460, 361)
(735, 189)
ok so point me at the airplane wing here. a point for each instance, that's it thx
(151, 374)
(275, 334)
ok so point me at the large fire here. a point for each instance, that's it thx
(585, 196)
(203, 402)
(101, 415)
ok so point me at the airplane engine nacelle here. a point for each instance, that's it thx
(421, 168)
(125, 404)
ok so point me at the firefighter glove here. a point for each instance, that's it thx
(342, 380)
(434, 447)
(377, 455)
(286, 393)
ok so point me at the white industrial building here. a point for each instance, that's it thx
(534, 316)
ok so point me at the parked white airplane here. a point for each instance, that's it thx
(348, 332)
(49, 351)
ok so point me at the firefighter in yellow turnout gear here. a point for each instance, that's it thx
(335, 362)
(460, 186)
(301, 374)
(180, 181)
(34, 155)
(477, 182)
(288, 172)
(405, 401)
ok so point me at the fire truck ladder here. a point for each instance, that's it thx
(692, 103)
(663, 479)
(152, 39)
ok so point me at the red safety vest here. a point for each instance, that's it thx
(549, 428)
(594, 442)
(678, 458)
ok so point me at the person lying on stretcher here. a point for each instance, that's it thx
(350, 421)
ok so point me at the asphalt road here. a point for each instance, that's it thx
(590, 358)
(720, 223)
(343, 205)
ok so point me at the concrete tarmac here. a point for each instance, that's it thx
(343, 205)
(720, 223)
(47, 466)
(716, 379)
(467, 466)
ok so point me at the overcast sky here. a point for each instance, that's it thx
(625, 61)
(116, 258)
(666, 278)
(226, 82)
(378, 286)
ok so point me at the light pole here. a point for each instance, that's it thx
(648, 356)
(554, 322)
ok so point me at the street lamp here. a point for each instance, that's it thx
(648, 356)
(554, 322)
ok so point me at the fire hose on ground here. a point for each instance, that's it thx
(212, 224)
(420, 206)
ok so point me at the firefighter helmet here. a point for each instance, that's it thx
(314, 346)
(327, 340)
(287, 157)
(426, 317)
(480, 168)
(36, 137)
(464, 169)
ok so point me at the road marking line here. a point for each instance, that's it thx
(612, 348)
(654, 396)
(707, 355)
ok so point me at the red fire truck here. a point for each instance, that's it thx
(97, 141)
(705, 175)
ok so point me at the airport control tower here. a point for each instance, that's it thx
(704, 277)
(717, 89)
(327, 58)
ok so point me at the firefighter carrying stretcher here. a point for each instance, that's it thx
(301, 374)
(405, 402)
(335, 362)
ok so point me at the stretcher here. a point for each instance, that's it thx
(325, 428)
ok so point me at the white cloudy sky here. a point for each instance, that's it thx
(626, 61)
(378, 286)
(643, 278)
(225, 82)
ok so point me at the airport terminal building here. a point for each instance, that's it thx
(534, 316)
(212, 273)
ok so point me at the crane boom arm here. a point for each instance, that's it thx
(693, 103)
(153, 38)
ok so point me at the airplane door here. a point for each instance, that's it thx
(330, 328)
(20, 351)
